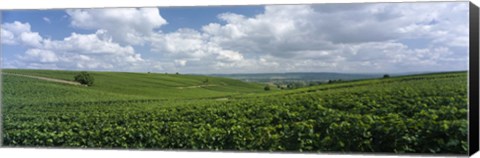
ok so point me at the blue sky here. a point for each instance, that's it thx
(372, 38)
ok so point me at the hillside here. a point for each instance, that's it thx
(409, 114)
(141, 85)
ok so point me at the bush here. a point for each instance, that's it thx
(267, 88)
(386, 76)
(84, 78)
(205, 81)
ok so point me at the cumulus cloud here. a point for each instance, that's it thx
(31, 38)
(329, 37)
(184, 43)
(44, 56)
(190, 46)
(77, 51)
(89, 44)
(378, 37)
(7, 37)
(16, 27)
(125, 25)
(19, 33)
(180, 62)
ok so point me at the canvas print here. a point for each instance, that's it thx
(318, 78)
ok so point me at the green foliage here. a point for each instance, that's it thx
(84, 78)
(413, 114)
(386, 76)
(151, 86)
(205, 81)
(335, 81)
(266, 88)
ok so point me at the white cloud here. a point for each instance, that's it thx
(190, 46)
(31, 38)
(89, 44)
(7, 37)
(16, 27)
(44, 56)
(229, 56)
(362, 38)
(91, 51)
(183, 43)
(180, 62)
(46, 20)
(17, 32)
(376, 37)
(125, 25)
(78, 51)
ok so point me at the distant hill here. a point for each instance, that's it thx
(312, 76)
(300, 76)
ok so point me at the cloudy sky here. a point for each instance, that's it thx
(362, 38)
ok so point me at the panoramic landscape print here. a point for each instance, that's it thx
(319, 78)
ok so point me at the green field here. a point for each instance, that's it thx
(409, 114)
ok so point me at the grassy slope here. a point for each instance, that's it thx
(22, 90)
(331, 111)
(131, 86)
(427, 108)
(145, 86)
(369, 82)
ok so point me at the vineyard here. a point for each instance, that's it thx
(410, 114)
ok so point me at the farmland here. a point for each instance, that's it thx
(407, 114)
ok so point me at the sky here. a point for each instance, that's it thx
(348, 38)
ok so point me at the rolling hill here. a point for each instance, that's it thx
(140, 85)
(424, 113)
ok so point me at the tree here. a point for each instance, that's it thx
(267, 87)
(386, 76)
(84, 78)
(205, 81)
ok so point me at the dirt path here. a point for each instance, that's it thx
(46, 79)
(199, 86)
(221, 99)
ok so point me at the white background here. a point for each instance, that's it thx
(73, 153)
